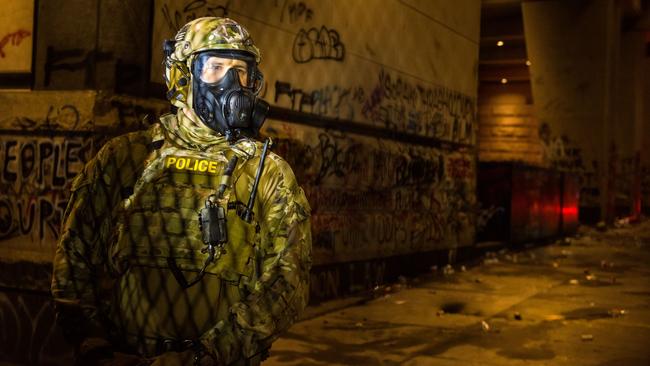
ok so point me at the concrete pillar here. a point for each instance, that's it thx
(573, 49)
(628, 131)
(642, 140)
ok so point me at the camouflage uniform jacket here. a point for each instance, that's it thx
(135, 206)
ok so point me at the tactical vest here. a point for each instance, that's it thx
(159, 221)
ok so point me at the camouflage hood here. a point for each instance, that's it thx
(186, 130)
(202, 34)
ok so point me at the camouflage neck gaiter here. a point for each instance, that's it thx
(189, 132)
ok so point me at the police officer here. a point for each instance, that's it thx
(189, 242)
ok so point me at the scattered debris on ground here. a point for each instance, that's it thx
(606, 265)
(615, 313)
(622, 222)
(448, 270)
(485, 326)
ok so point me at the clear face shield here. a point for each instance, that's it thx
(211, 67)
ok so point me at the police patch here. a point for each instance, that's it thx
(182, 163)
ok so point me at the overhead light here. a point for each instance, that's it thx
(504, 81)
(500, 43)
(528, 63)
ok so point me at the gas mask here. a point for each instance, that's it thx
(225, 105)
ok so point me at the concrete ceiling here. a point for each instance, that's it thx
(502, 20)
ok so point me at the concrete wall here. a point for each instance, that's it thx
(644, 136)
(402, 73)
(359, 185)
(587, 91)
(628, 129)
(407, 66)
(373, 197)
(47, 137)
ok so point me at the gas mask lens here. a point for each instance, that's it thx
(214, 69)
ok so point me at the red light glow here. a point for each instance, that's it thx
(570, 211)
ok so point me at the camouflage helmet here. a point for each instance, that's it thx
(202, 34)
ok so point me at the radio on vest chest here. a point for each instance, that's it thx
(212, 220)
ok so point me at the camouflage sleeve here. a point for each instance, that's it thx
(80, 257)
(76, 259)
(282, 290)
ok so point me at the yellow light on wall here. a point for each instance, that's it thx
(500, 43)
(528, 63)
(504, 81)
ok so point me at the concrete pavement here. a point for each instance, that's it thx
(581, 302)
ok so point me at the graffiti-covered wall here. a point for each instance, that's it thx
(373, 105)
(406, 67)
(399, 67)
(588, 93)
(374, 198)
(47, 137)
(409, 65)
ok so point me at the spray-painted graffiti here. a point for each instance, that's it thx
(295, 11)
(47, 162)
(36, 171)
(370, 197)
(62, 117)
(330, 100)
(36, 175)
(460, 168)
(398, 104)
(335, 159)
(13, 38)
(564, 155)
(324, 284)
(191, 10)
(393, 103)
(318, 44)
(368, 200)
(29, 217)
(559, 151)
